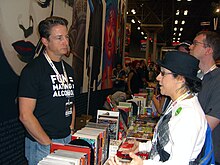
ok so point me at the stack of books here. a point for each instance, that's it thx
(67, 155)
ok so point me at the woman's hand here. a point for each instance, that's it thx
(114, 161)
(136, 160)
(135, 147)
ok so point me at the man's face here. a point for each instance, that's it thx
(58, 42)
(198, 48)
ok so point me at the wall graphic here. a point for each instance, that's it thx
(109, 42)
(77, 39)
(93, 52)
(19, 22)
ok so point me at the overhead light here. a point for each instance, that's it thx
(180, 34)
(181, 29)
(178, 0)
(183, 22)
(174, 38)
(217, 10)
(176, 22)
(138, 28)
(142, 33)
(177, 12)
(189, 0)
(133, 21)
(145, 37)
(175, 29)
(174, 34)
(185, 12)
(178, 39)
(133, 11)
(139, 21)
(127, 12)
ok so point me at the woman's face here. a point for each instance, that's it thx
(167, 82)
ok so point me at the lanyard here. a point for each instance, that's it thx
(56, 71)
(169, 108)
(211, 69)
(173, 103)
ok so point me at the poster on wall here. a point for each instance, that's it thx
(77, 33)
(109, 42)
(19, 22)
(93, 52)
(121, 23)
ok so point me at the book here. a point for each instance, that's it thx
(92, 139)
(112, 119)
(75, 148)
(105, 140)
(51, 161)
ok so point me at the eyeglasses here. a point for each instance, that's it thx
(197, 42)
(164, 73)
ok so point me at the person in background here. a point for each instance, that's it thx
(143, 73)
(206, 49)
(184, 46)
(46, 92)
(134, 81)
(118, 78)
(180, 133)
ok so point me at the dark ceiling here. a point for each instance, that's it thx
(162, 12)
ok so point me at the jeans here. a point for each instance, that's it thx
(34, 151)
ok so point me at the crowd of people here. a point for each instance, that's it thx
(134, 76)
(189, 78)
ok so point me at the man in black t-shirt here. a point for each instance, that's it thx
(46, 93)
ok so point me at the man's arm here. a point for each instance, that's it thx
(26, 109)
(72, 126)
(213, 121)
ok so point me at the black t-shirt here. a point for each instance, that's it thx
(39, 81)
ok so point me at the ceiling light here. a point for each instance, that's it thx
(185, 12)
(178, 0)
(181, 29)
(180, 34)
(139, 21)
(189, 0)
(142, 33)
(133, 11)
(176, 22)
(145, 37)
(174, 38)
(138, 28)
(183, 22)
(174, 34)
(133, 21)
(177, 12)
(175, 29)
(217, 10)
(178, 39)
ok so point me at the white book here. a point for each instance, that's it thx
(63, 158)
(51, 161)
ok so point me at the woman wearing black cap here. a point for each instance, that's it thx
(180, 133)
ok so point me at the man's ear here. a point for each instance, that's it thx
(44, 41)
(209, 51)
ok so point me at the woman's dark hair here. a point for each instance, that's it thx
(194, 86)
(45, 26)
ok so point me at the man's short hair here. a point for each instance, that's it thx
(46, 25)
